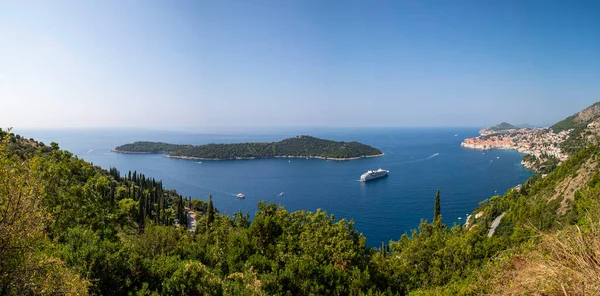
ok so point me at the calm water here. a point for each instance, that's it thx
(420, 161)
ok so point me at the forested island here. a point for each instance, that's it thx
(297, 147)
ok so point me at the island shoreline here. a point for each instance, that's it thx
(274, 157)
(132, 152)
(249, 158)
(302, 146)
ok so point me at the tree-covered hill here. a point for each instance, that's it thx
(149, 147)
(503, 126)
(300, 146)
(579, 120)
(68, 227)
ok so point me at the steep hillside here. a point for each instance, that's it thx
(547, 241)
(579, 120)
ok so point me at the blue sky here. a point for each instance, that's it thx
(206, 64)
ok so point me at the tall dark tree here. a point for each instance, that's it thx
(180, 211)
(437, 209)
(210, 213)
(112, 193)
(141, 216)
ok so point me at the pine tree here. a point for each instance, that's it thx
(437, 209)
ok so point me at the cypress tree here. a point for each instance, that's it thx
(210, 213)
(180, 210)
(158, 205)
(112, 194)
(437, 209)
(141, 216)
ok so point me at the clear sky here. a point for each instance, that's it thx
(169, 64)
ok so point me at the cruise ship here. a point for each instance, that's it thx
(370, 175)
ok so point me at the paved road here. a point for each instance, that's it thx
(495, 224)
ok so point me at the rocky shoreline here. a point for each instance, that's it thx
(131, 152)
(288, 156)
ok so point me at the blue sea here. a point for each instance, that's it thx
(420, 160)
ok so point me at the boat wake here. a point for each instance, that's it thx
(432, 156)
(214, 192)
(90, 151)
(414, 160)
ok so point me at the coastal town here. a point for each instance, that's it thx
(539, 142)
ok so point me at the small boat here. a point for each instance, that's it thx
(240, 195)
(281, 194)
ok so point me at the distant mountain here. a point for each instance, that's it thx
(579, 120)
(503, 126)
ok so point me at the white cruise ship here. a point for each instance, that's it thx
(370, 175)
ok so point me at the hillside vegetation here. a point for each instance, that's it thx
(503, 126)
(301, 146)
(578, 121)
(68, 227)
(150, 147)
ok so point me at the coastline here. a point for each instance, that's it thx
(525, 164)
(130, 152)
(288, 156)
(487, 148)
(249, 158)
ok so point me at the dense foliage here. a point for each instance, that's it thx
(301, 146)
(567, 124)
(149, 147)
(68, 227)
